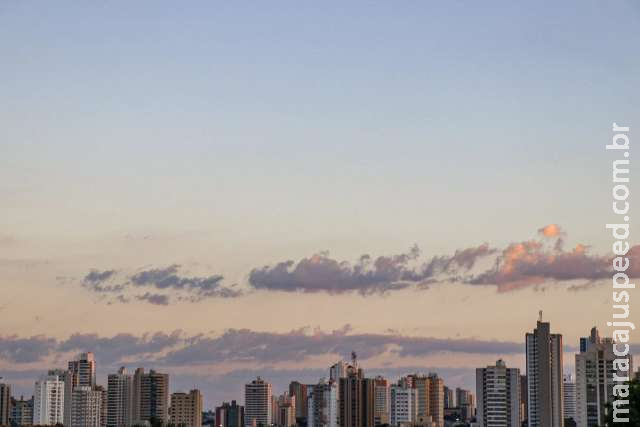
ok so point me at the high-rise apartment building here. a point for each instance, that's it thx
(498, 392)
(465, 401)
(150, 396)
(569, 397)
(323, 405)
(21, 412)
(186, 409)
(5, 404)
(594, 379)
(283, 410)
(382, 398)
(86, 407)
(230, 415)
(257, 403)
(338, 370)
(48, 400)
(403, 404)
(357, 398)
(119, 399)
(300, 392)
(544, 376)
(83, 370)
(449, 398)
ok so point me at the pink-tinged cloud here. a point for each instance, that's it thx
(551, 230)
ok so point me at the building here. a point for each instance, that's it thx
(338, 370)
(544, 376)
(594, 379)
(299, 391)
(382, 397)
(357, 398)
(498, 391)
(86, 407)
(403, 404)
(466, 403)
(186, 409)
(5, 404)
(119, 399)
(257, 403)
(230, 415)
(83, 370)
(323, 405)
(21, 412)
(449, 398)
(48, 400)
(524, 398)
(569, 397)
(150, 396)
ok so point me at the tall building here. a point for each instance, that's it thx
(449, 398)
(83, 370)
(150, 396)
(524, 399)
(230, 415)
(338, 370)
(257, 403)
(465, 401)
(569, 397)
(594, 379)
(86, 407)
(186, 409)
(357, 400)
(119, 399)
(283, 410)
(403, 404)
(382, 396)
(436, 400)
(5, 404)
(498, 391)
(544, 376)
(21, 412)
(323, 405)
(299, 391)
(48, 400)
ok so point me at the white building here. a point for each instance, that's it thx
(498, 391)
(322, 404)
(569, 397)
(86, 407)
(119, 399)
(257, 403)
(338, 370)
(48, 400)
(404, 404)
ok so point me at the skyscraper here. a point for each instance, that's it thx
(21, 412)
(382, 396)
(257, 403)
(466, 403)
(86, 407)
(80, 373)
(5, 404)
(186, 409)
(150, 396)
(544, 376)
(498, 391)
(594, 379)
(569, 397)
(230, 415)
(449, 398)
(119, 399)
(357, 399)
(300, 391)
(49, 398)
(403, 404)
(323, 405)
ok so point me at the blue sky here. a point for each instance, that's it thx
(224, 137)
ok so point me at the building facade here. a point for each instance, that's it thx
(86, 407)
(119, 399)
(498, 392)
(5, 404)
(569, 397)
(257, 403)
(150, 396)
(48, 400)
(403, 404)
(323, 405)
(186, 409)
(357, 399)
(21, 412)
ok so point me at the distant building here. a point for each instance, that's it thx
(466, 403)
(257, 403)
(403, 404)
(119, 399)
(300, 392)
(449, 398)
(48, 400)
(86, 407)
(230, 415)
(382, 398)
(594, 379)
(80, 373)
(498, 391)
(524, 398)
(186, 409)
(544, 375)
(323, 405)
(430, 390)
(21, 412)
(569, 397)
(357, 398)
(338, 370)
(284, 410)
(150, 396)
(5, 404)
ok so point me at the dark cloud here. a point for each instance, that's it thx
(95, 281)
(168, 278)
(26, 350)
(155, 299)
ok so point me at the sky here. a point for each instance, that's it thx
(221, 190)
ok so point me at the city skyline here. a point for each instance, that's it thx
(225, 191)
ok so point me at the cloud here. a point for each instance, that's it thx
(26, 350)
(321, 273)
(155, 299)
(95, 281)
(551, 230)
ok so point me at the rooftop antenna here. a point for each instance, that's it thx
(354, 359)
(540, 316)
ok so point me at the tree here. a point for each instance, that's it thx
(634, 406)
